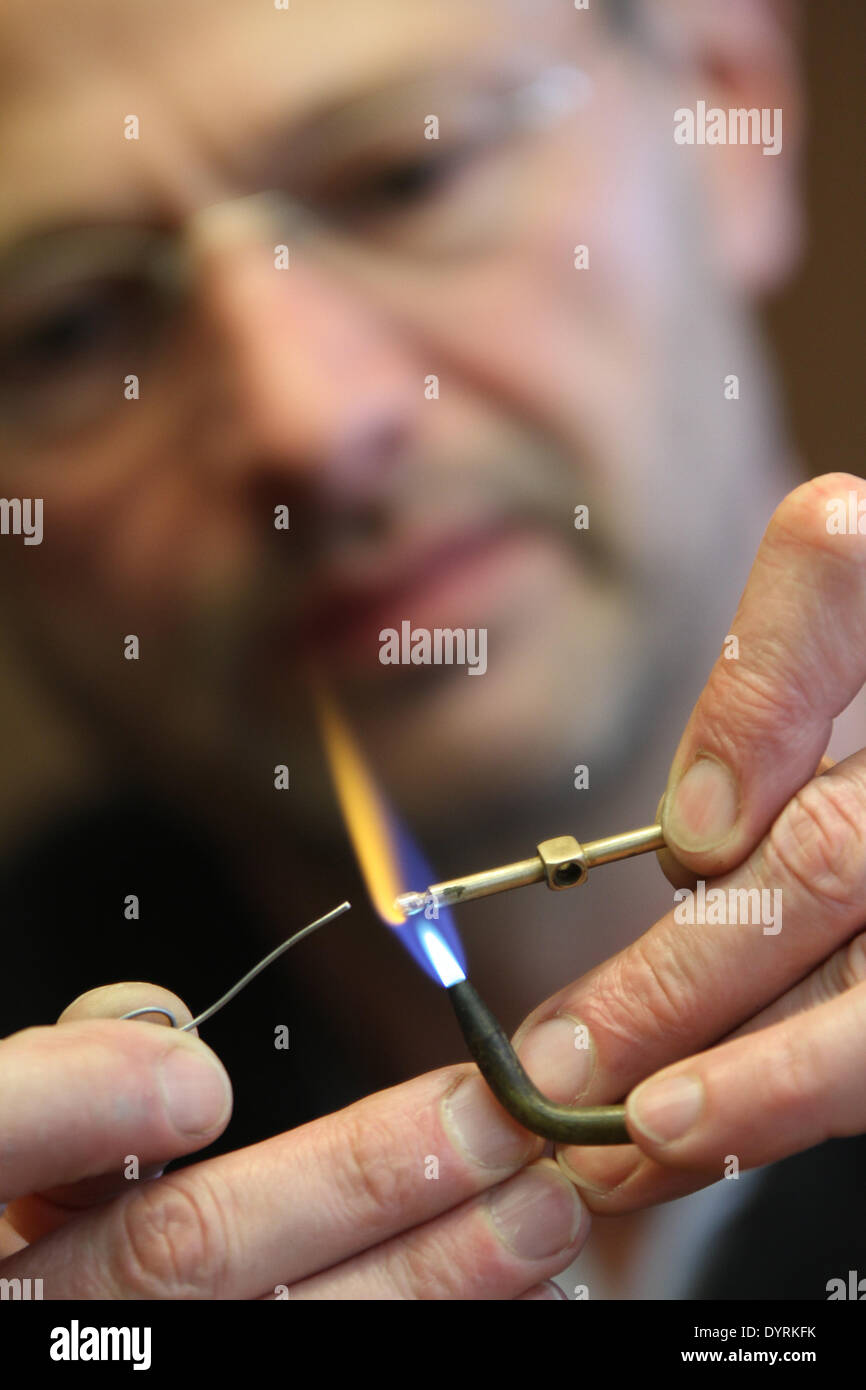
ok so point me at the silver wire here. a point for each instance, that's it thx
(152, 1009)
(250, 975)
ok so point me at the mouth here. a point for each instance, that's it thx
(458, 580)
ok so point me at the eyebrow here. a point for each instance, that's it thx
(335, 116)
(258, 162)
(25, 239)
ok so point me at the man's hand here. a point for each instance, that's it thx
(425, 1191)
(745, 808)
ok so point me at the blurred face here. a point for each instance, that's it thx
(422, 376)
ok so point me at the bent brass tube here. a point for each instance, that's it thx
(561, 863)
(501, 1068)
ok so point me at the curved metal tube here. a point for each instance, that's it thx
(499, 1065)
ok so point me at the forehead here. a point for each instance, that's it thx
(204, 77)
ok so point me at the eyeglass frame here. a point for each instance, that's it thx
(170, 265)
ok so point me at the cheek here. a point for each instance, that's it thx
(635, 207)
(147, 547)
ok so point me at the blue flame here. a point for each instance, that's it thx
(431, 936)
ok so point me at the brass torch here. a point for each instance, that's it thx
(560, 863)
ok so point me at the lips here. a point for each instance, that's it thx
(432, 584)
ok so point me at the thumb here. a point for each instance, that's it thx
(794, 659)
(675, 872)
(113, 1001)
(37, 1215)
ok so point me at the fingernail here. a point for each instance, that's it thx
(665, 1110)
(482, 1129)
(196, 1091)
(536, 1214)
(545, 1293)
(559, 1056)
(600, 1171)
(704, 808)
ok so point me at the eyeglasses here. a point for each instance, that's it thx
(432, 173)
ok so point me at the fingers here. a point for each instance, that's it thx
(495, 1247)
(839, 973)
(686, 984)
(763, 1096)
(77, 1099)
(765, 714)
(238, 1225)
(35, 1215)
(677, 873)
(546, 1293)
(693, 978)
(113, 1001)
(613, 1181)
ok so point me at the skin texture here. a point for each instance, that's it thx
(562, 389)
(792, 1004)
(222, 1229)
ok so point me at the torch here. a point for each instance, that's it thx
(422, 920)
(561, 863)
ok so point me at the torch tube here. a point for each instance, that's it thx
(500, 1066)
(562, 863)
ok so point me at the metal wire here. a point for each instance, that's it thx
(242, 983)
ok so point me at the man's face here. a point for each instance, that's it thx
(447, 503)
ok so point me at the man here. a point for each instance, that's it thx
(316, 323)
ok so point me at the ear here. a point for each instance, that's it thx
(740, 54)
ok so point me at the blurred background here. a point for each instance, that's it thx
(815, 328)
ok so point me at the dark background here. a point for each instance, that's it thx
(816, 325)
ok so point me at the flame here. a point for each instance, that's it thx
(364, 811)
(386, 855)
(440, 956)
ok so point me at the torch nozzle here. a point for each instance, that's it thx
(560, 863)
(411, 903)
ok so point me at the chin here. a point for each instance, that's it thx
(485, 747)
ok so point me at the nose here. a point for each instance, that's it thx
(315, 385)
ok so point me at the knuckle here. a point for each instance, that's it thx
(844, 969)
(369, 1173)
(763, 695)
(645, 997)
(791, 1077)
(171, 1240)
(764, 690)
(428, 1269)
(818, 841)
